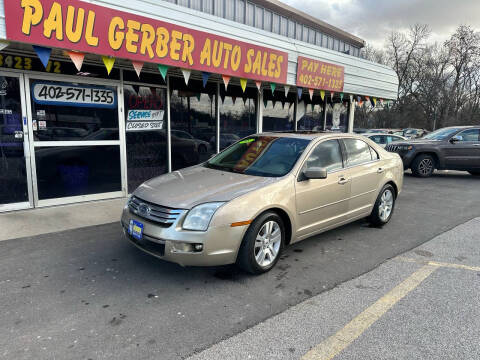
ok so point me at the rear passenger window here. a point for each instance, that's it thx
(327, 155)
(358, 152)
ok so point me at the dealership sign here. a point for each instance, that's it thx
(314, 74)
(81, 26)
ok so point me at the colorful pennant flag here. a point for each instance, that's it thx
(109, 62)
(265, 102)
(226, 80)
(273, 86)
(77, 58)
(259, 85)
(243, 84)
(138, 66)
(332, 94)
(341, 97)
(374, 102)
(163, 71)
(205, 76)
(186, 75)
(299, 92)
(43, 53)
(198, 96)
(287, 90)
(3, 44)
(310, 91)
(322, 95)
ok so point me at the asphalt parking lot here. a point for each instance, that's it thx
(88, 294)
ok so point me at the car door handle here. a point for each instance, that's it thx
(476, 144)
(343, 181)
(380, 170)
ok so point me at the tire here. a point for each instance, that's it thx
(474, 173)
(423, 166)
(384, 205)
(249, 258)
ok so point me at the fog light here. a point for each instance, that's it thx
(198, 247)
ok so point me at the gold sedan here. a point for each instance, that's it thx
(261, 194)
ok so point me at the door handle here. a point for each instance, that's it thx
(343, 181)
(476, 144)
(380, 170)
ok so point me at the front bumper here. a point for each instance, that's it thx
(220, 244)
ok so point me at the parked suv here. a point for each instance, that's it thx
(452, 148)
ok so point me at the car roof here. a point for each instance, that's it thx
(308, 135)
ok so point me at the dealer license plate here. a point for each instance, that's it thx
(135, 229)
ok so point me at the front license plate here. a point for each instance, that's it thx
(135, 229)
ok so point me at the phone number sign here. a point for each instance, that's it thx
(314, 74)
(46, 93)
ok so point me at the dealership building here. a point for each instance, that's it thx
(99, 96)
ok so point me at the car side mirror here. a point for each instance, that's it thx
(315, 173)
(456, 138)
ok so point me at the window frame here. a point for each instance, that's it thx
(314, 147)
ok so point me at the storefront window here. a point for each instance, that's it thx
(310, 113)
(238, 117)
(145, 114)
(193, 122)
(64, 111)
(278, 115)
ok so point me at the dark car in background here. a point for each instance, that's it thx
(451, 148)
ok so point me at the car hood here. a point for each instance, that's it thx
(183, 189)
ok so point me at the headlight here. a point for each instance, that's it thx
(199, 217)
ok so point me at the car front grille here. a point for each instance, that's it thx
(392, 148)
(162, 215)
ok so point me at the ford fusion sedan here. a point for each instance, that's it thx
(264, 192)
(451, 148)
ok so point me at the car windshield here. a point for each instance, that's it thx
(267, 156)
(441, 134)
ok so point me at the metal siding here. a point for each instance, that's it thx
(362, 77)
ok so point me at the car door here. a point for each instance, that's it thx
(364, 170)
(322, 203)
(463, 154)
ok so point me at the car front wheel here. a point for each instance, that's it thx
(262, 244)
(383, 209)
(423, 166)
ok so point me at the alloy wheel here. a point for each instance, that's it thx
(425, 167)
(267, 243)
(386, 205)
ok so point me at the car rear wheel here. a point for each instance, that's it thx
(262, 244)
(383, 209)
(475, 173)
(423, 166)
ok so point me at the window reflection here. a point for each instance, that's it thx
(279, 111)
(238, 117)
(193, 122)
(146, 144)
(310, 113)
(72, 112)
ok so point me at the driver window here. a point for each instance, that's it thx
(327, 155)
(472, 135)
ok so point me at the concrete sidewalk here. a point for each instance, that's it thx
(424, 304)
(32, 222)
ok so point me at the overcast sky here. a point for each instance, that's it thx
(371, 20)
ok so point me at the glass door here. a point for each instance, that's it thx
(76, 139)
(15, 185)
